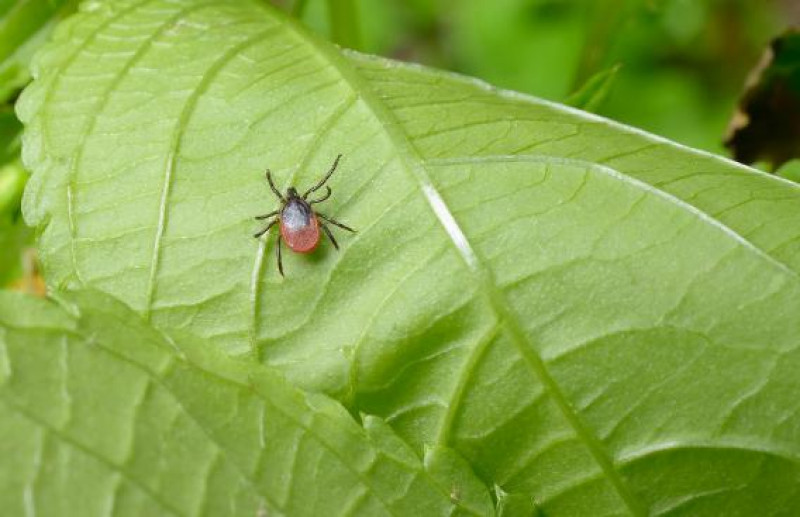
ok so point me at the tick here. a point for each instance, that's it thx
(299, 223)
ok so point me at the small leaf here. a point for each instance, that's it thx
(99, 415)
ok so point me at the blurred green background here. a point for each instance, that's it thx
(682, 64)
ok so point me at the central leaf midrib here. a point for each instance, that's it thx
(415, 166)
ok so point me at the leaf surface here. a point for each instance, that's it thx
(24, 26)
(597, 319)
(100, 416)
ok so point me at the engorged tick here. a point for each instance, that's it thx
(299, 223)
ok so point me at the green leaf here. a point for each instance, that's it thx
(99, 415)
(598, 320)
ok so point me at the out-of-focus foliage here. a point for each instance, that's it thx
(24, 27)
(14, 235)
(10, 129)
(767, 126)
(684, 62)
(592, 94)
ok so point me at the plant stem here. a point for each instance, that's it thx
(344, 23)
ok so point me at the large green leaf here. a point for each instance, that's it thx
(101, 417)
(593, 316)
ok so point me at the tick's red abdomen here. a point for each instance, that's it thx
(299, 226)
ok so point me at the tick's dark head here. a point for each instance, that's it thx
(291, 192)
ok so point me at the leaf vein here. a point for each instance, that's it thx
(172, 156)
(415, 166)
(60, 72)
(48, 428)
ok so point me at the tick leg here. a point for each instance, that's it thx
(265, 230)
(272, 186)
(329, 234)
(335, 222)
(323, 180)
(278, 252)
(267, 216)
(323, 198)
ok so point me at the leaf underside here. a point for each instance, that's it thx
(593, 317)
(165, 435)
